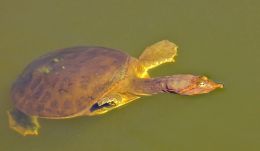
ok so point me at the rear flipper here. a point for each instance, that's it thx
(22, 123)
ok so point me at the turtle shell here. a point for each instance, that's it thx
(67, 82)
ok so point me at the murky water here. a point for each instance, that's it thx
(216, 38)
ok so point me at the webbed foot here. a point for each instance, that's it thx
(22, 123)
(111, 102)
(161, 52)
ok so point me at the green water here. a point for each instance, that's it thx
(216, 38)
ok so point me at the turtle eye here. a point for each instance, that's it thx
(202, 84)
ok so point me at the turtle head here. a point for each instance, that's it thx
(191, 85)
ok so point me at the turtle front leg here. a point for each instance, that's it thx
(110, 102)
(161, 52)
(22, 123)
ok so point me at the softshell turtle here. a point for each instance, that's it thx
(86, 81)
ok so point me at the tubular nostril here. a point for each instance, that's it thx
(220, 85)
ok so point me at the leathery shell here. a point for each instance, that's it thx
(66, 82)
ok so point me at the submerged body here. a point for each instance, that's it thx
(86, 81)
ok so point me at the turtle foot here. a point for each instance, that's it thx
(159, 53)
(22, 123)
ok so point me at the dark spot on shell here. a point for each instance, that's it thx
(66, 84)
(40, 108)
(26, 78)
(20, 92)
(54, 104)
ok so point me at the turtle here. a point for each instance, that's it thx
(92, 80)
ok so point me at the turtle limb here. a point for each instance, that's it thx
(161, 52)
(22, 123)
(112, 101)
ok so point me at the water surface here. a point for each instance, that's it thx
(216, 38)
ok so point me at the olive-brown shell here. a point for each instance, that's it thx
(66, 82)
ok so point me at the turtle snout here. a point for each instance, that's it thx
(220, 85)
